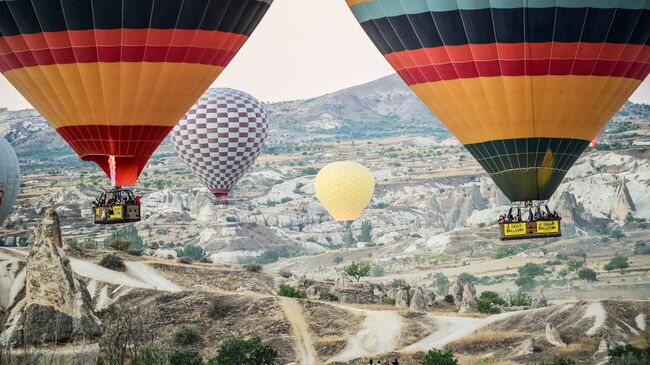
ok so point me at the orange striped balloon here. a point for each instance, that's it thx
(113, 77)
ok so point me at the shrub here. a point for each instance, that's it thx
(253, 267)
(185, 260)
(231, 219)
(285, 274)
(245, 352)
(439, 357)
(286, 290)
(180, 357)
(466, 278)
(520, 299)
(124, 239)
(377, 271)
(338, 260)
(626, 354)
(489, 302)
(219, 308)
(113, 262)
(560, 361)
(617, 262)
(135, 252)
(119, 245)
(188, 335)
(389, 301)
(150, 355)
(449, 299)
(192, 251)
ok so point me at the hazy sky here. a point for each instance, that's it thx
(301, 49)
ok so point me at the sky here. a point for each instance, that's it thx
(301, 49)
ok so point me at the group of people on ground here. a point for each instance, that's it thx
(387, 362)
(535, 213)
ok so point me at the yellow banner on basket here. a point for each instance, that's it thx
(117, 212)
(514, 229)
(548, 227)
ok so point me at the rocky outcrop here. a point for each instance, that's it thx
(468, 304)
(57, 307)
(419, 301)
(540, 300)
(525, 348)
(402, 298)
(624, 204)
(343, 281)
(553, 336)
(456, 291)
(313, 292)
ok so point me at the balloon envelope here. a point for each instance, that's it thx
(221, 137)
(524, 85)
(345, 189)
(114, 77)
(9, 179)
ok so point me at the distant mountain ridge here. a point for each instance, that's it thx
(381, 108)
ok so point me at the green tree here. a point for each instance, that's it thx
(194, 252)
(358, 270)
(349, 239)
(466, 278)
(181, 357)
(441, 283)
(286, 290)
(587, 274)
(439, 357)
(366, 231)
(616, 263)
(617, 234)
(489, 302)
(245, 352)
(574, 265)
(525, 282)
(532, 270)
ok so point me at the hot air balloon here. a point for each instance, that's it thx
(345, 189)
(114, 77)
(220, 138)
(524, 85)
(9, 179)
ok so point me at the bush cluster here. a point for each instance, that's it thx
(286, 290)
(113, 262)
(188, 335)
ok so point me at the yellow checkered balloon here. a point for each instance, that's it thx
(345, 189)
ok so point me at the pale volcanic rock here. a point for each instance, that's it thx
(54, 294)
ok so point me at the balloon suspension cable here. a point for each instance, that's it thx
(113, 169)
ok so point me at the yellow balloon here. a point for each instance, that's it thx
(345, 189)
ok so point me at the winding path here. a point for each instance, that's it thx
(302, 336)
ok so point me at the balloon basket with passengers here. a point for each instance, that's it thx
(117, 206)
(536, 222)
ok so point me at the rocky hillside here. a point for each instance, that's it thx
(150, 300)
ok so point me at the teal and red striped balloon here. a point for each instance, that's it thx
(525, 85)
